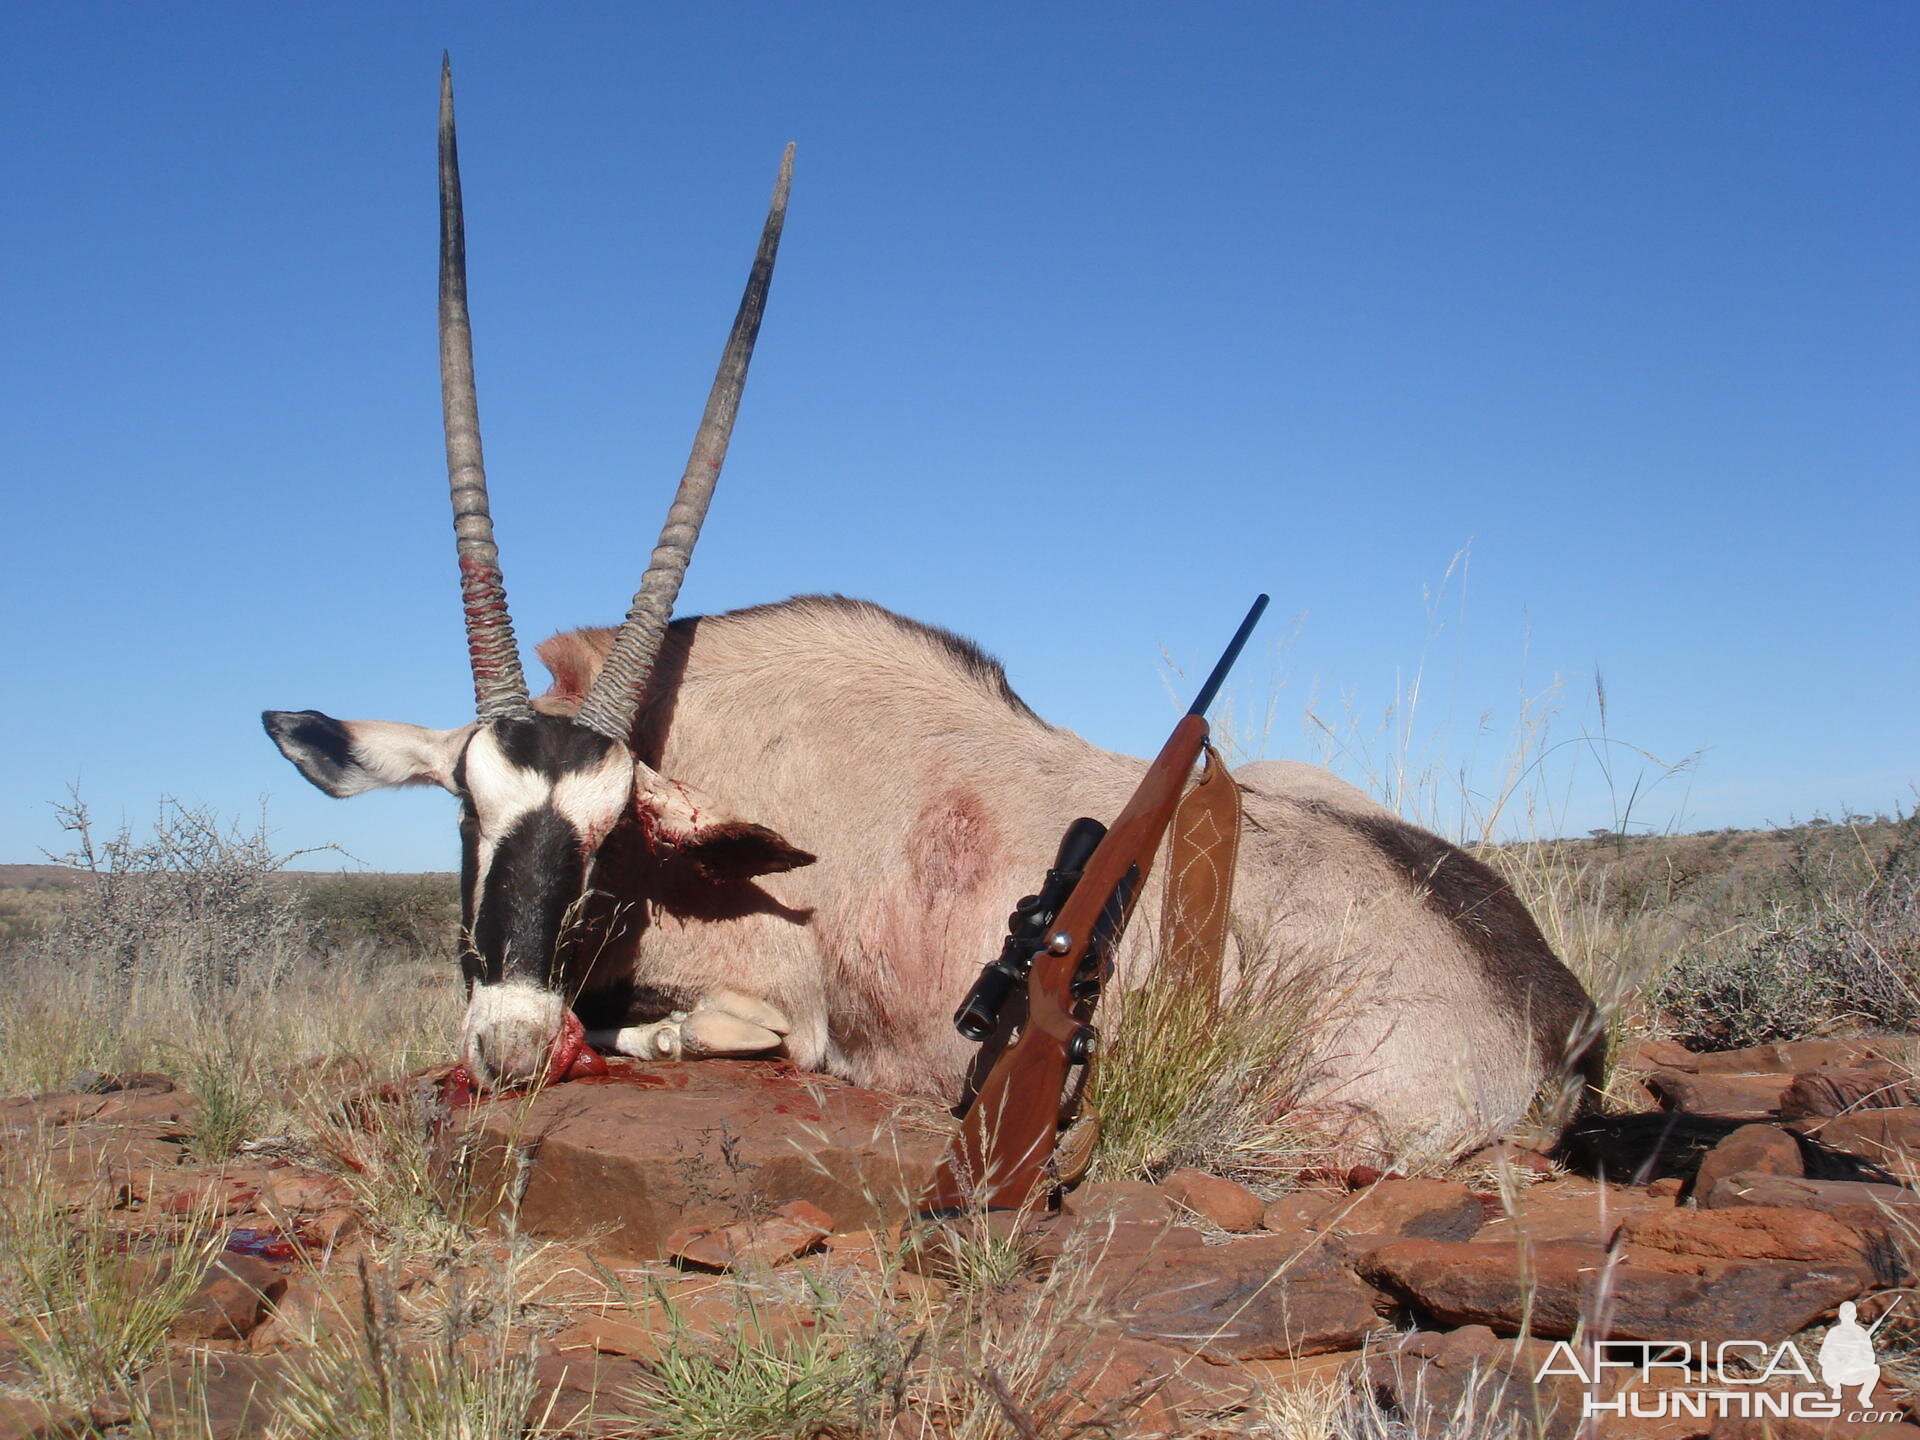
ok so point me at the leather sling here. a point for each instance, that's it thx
(1203, 845)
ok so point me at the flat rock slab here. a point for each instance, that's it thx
(1842, 1089)
(1569, 1208)
(655, 1148)
(1268, 1298)
(1559, 1286)
(1888, 1137)
(1730, 1096)
(1792, 1055)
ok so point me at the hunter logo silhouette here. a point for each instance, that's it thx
(1846, 1354)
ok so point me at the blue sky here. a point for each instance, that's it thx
(1090, 322)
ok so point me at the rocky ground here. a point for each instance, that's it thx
(726, 1216)
(667, 1237)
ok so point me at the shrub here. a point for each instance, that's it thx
(204, 894)
(1835, 942)
(413, 916)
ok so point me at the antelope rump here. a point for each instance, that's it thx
(799, 827)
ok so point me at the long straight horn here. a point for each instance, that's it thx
(616, 692)
(499, 687)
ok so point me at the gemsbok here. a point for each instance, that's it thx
(799, 826)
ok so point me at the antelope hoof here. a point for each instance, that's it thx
(719, 1032)
(508, 1033)
(754, 1012)
(725, 1022)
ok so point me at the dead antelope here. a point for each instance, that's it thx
(800, 826)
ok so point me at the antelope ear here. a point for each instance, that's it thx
(575, 658)
(345, 757)
(702, 833)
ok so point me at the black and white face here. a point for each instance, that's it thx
(537, 798)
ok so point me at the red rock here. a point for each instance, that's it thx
(1727, 1096)
(202, 1194)
(1840, 1089)
(1886, 1137)
(332, 1228)
(578, 1391)
(1119, 1201)
(1504, 1154)
(1219, 1202)
(305, 1307)
(1430, 1209)
(1469, 1381)
(212, 1397)
(306, 1191)
(1886, 1216)
(232, 1300)
(1570, 1209)
(659, 1147)
(1557, 1286)
(788, 1233)
(1762, 1149)
(1257, 1299)
(639, 1337)
(1748, 1233)
(1301, 1210)
(1439, 1381)
(46, 1112)
(1088, 1240)
(24, 1419)
(1308, 1372)
(157, 1108)
(1123, 1385)
(1795, 1055)
(1360, 1177)
(1646, 1056)
(1849, 1200)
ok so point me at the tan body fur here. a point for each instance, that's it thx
(933, 798)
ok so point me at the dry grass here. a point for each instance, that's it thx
(1183, 1081)
(185, 955)
(470, 1379)
(86, 1306)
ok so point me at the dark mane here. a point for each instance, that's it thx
(1498, 928)
(970, 657)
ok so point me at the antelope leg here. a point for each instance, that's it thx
(724, 1022)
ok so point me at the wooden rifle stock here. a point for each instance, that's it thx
(1002, 1157)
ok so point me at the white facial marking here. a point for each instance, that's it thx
(591, 800)
(508, 1030)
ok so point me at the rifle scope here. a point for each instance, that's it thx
(1027, 926)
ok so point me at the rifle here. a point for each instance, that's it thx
(1060, 947)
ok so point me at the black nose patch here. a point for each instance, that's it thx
(536, 874)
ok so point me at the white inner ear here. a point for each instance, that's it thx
(391, 752)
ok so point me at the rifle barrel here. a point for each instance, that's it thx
(1212, 687)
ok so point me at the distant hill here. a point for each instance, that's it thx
(40, 877)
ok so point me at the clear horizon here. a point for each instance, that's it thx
(1519, 352)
